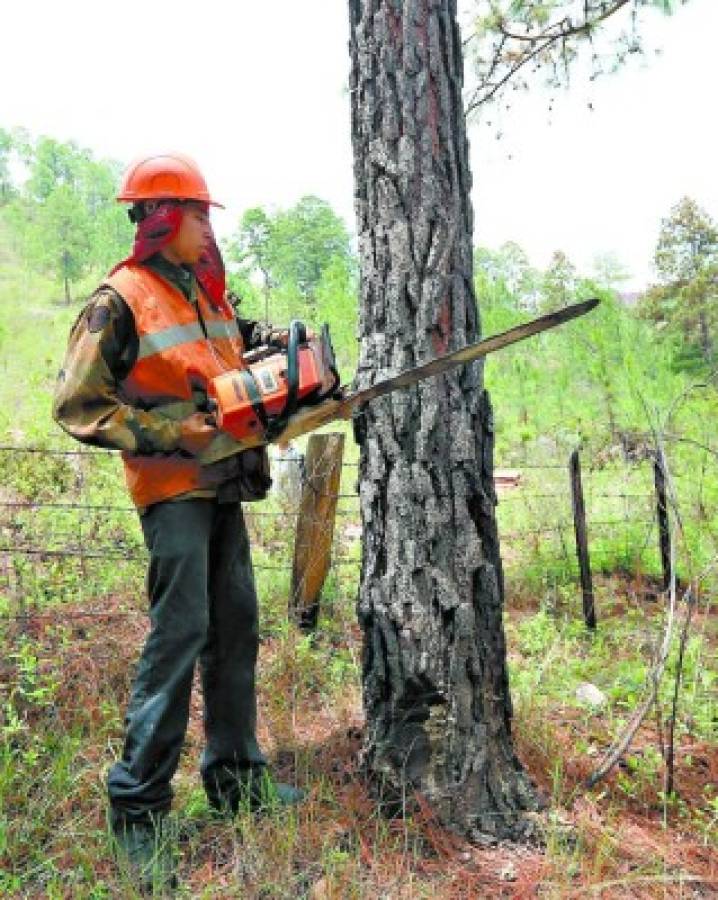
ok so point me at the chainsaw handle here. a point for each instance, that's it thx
(297, 336)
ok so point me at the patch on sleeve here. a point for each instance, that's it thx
(97, 318)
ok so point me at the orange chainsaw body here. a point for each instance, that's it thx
(246, 400)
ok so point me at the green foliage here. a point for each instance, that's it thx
(297, 263)
(600, 383)
(684, 303)
(308, 238)
(56, 235)
(557, 654)
(687, 243)
(291, 248)
(609, 271)
(336, 304)
(34, 331)
(64, 218)
(609, 367)
(559, 282)
(508, 270)
(252, 245)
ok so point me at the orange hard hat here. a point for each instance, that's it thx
(172, 176)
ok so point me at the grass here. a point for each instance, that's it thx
(68, 685)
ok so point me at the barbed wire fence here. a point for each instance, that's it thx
(69, 539)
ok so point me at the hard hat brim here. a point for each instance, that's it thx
(127, 198)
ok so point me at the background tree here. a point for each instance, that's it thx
(509, 265)
(558, 285)
(291, 249)
(430, 599)
(303, 260)
(306, 239)
(250, 249)
(111, 232)
(609, 271)
(58, 237)
(686, 259)
(63, 211)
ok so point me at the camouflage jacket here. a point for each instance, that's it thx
(102, 349)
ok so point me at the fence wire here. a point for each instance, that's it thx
(69, 537)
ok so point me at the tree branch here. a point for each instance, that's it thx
(566, 29)
(540, 42)
(475, 103)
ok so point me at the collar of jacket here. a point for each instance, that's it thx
(178, 276)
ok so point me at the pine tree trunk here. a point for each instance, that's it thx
(430, 604)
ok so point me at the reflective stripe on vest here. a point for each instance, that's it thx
(167, 338)
(184, 334)
(223, 329)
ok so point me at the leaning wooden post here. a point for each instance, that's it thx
(579, 524)
(664, 533)
(315, 527)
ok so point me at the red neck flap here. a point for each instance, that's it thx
(157, 230)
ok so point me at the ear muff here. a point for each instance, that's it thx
(140, 211)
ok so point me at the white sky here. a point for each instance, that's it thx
(257, 93)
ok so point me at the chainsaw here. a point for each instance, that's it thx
(282, 393)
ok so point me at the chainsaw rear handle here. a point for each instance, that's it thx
(297, 336)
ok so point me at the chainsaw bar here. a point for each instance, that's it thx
(346, 402)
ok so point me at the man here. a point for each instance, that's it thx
(138, 357)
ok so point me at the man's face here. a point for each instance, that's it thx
(194, 235)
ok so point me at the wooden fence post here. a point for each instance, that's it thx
(315, 526)
(664, 533)
(579, 524)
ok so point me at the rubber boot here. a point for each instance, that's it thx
(252, 790)
(145, 853)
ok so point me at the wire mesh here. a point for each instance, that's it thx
(68, 535)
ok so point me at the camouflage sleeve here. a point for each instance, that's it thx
(88, 402)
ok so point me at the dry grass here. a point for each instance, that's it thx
(619, 840)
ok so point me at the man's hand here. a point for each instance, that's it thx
(281, 338)
(197, 433)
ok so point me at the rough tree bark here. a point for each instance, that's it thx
(430, 603)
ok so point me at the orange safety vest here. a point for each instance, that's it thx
(173, 345)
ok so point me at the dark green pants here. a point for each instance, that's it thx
(203, 605)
